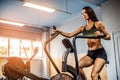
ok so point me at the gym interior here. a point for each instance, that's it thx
(36, 26)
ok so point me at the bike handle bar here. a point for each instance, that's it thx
(53, 36)
(90, 37)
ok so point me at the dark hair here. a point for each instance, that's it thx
(91, 13)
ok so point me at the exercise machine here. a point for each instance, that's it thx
(15, 68)
(59, 75)
(71, 48)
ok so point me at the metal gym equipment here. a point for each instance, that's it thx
(71, 48)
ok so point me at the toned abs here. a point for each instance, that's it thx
(94, 44)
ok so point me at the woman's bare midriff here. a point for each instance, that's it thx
(94, 44)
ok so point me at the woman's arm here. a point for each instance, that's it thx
(103, 29)
(79, 30)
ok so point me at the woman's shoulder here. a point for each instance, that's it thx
(81, 28)
(98, 24)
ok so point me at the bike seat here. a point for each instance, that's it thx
(68, 45)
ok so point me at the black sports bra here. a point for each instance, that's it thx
(91, 31)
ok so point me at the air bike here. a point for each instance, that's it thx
(16, 69)
(70, 48)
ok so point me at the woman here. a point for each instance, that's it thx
(96, 54)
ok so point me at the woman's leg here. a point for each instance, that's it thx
(97, 67)
(84, 62)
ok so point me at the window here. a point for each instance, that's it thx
(20, 41)
(3, 46)
(19, 48)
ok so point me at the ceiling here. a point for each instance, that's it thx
(66, 9)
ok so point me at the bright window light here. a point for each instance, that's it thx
(12, 23)
(39, 7)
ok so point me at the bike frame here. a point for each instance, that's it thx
(68, 68)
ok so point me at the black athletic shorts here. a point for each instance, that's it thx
(98, 53)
